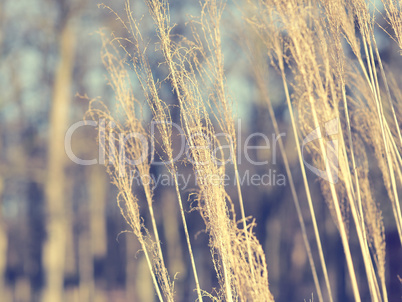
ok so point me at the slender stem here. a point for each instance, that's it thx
(308, 194)
(190, 250)
(292, 186)
(164, 273)
(156, 285)
(341, 224)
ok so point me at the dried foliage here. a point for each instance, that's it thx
(348, 96)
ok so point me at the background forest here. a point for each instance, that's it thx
(62, 234)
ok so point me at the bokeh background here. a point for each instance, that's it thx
(60, 219)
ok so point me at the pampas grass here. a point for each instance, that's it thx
(349, 95)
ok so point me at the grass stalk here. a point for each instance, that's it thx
(264, 91)
(305, 182)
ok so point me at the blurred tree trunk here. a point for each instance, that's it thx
(97, 228)
(92, 238)
(54, 251)
(85, 263)
(22, 290)
(98, 185)
(70, 262)
(132, 247)
(139, 282)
